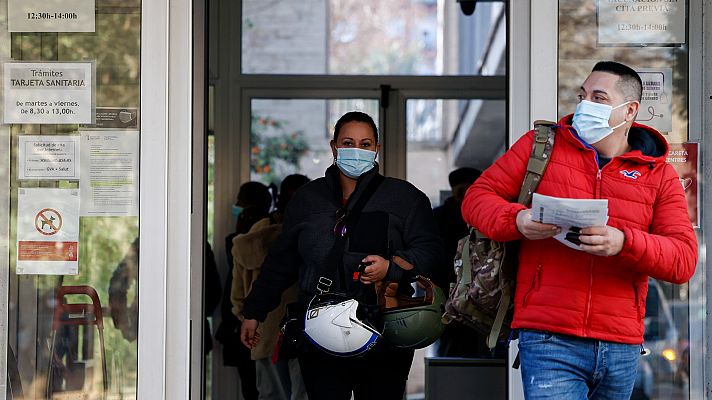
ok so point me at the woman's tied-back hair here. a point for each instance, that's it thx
(630, 84)
(355, 116)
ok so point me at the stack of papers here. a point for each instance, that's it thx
(569, 214)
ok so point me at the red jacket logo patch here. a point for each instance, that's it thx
(634, 174)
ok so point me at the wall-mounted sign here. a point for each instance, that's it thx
(48, 157)
(109, 178)
(47, 231)
(641, 23)
(656, 104)
(115, 118)
(51, 15)
(684, 157)
(48, 93)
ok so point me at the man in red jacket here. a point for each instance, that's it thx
(579, 312)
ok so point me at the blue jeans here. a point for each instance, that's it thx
(566, 367)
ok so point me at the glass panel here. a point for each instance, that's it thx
(590, 31)
(292, 136)
(444, 135)
(447, 134)
(370, 37)
(73, 237)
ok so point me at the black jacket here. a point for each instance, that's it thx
(396, 220)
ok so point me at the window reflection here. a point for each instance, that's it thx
(75, 336)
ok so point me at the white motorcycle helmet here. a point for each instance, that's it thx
(332, 325)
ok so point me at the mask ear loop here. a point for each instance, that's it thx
(624, 120)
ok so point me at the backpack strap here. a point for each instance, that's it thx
(544, 132)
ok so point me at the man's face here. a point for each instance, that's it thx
(602, 87)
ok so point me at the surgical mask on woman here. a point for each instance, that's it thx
(354, 162)
(236, 210)
(591, 120)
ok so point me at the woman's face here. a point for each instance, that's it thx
(355, 134)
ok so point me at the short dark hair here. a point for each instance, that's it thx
(355, 116)
(463, 175)
(630, 83)
(255, 194)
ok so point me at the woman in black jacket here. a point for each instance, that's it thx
(395, 226)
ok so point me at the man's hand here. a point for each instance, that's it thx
(533, 230)
(376, 270)
(602, 240)
(248, 333)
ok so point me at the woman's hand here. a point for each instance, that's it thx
(375, 271)
(248, 333)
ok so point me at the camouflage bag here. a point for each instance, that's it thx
(483, 295)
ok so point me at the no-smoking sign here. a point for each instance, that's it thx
(48, 221)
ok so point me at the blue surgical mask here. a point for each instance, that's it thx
(236, 210)
(591, 120)
(354, 162)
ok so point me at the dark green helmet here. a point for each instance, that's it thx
(416, 322)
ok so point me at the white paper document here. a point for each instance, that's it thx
(109, 173)
(48, 157)
(569, 214)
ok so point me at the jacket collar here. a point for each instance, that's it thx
(649, 146)
(332, 179)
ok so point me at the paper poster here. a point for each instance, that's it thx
(51, 15)
(109, 173)
(48, 157)
(48, 93)
(684, 157)
(47, 231)
(641, 23)
(114, 118)
(656, 105)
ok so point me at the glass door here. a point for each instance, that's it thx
(70, 138)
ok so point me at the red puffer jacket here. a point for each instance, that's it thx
(571, 292)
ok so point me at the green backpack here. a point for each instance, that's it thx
(483, 295)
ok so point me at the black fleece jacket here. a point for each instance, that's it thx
(396, 220)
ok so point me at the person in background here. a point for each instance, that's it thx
(451, 226)
(253, 203)
(457, 340)
(281, 380)
(394, 227)
(579, 304)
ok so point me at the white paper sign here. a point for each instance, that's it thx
(51, 15)
(48, 93)
(109, 177)
(656, 104)
(48, 157)
(636, 22)
(47, 231)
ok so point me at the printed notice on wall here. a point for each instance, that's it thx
(109, 177)
(47, 231)
(684, 157)
(641, 23)
(48, 93)
(51, 15)
(656, 105)
(48, 157)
